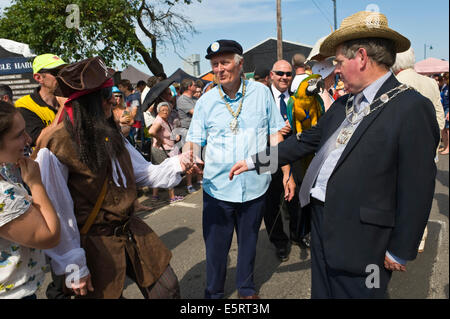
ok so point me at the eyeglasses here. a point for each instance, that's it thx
(117, 95)
(281, 73)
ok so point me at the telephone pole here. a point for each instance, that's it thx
(335, 18)
(279, 32)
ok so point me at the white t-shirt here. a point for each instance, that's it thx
(21, 268)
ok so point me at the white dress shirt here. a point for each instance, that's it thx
(276, 95)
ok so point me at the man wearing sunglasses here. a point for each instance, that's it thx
(40, 108)
(281, 76)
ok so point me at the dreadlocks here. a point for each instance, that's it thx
(96, 138)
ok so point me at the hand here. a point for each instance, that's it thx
(125, 119)
(238, 168)
(392, 265)
(30, 172)
(286, 129)
(289, 187)
(190, 163)
(83, 286)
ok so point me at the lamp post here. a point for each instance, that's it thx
(425, 50)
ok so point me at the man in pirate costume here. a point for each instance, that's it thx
(371, 182)
(233, 120)
(92, 173)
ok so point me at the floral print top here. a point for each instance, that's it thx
(21, 268)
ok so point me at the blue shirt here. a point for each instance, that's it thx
(210, 126)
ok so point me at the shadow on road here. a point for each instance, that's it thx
(415, 282)
(194, 281)
(442, 177)
(442, 201)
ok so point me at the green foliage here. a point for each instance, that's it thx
(107, 28)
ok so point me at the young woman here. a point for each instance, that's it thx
(28, 222)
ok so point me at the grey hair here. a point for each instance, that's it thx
(160, 105)
(379, 50)
(404, 60)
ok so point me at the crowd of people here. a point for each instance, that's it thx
(332, 140)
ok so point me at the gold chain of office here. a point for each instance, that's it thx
(234, 123)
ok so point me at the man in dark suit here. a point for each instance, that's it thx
(281, 77)
(371, 183)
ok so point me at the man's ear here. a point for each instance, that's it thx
(38, 77)
(362, 57)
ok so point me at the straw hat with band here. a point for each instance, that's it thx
(81, 78)
(363, 24)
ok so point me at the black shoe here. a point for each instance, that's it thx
(283, 253)
(306, 241)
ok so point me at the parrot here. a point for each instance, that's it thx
(304, 109)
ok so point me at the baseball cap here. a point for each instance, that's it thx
(47, 61)
(221, 46)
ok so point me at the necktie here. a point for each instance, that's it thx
(283, 108)
(319, 159)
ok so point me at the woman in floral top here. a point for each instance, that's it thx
(27, 224)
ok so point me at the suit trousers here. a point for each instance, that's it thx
(328, 283)
(273, 218)
(220, 218)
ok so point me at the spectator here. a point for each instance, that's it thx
(199, 90)
(39, 109)
(185, 106)
(439, 80)
(281, 77)
(445, 131)
(133, 101)
(299, 65)
(262, 75)
(143, 90)
(27, 224)
(6, 94)
(325, 69)
(404, 71)
(163, 145)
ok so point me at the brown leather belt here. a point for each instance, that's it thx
(118, 229)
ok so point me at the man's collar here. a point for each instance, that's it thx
(371, 90)
(238, 93)
(277, 93)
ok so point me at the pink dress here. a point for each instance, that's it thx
(164, 133)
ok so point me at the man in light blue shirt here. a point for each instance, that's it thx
(233, 120)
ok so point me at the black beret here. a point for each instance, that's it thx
(221, 46)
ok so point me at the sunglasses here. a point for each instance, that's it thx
(117, 95)
(281, 73)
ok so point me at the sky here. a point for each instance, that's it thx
(304, 21)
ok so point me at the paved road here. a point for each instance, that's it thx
(180, 227)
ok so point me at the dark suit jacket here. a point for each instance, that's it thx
(380, 193)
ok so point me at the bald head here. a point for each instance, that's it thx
(281, 75)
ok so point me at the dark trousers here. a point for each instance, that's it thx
(220, 218)
(273, 217)
(329, 283)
